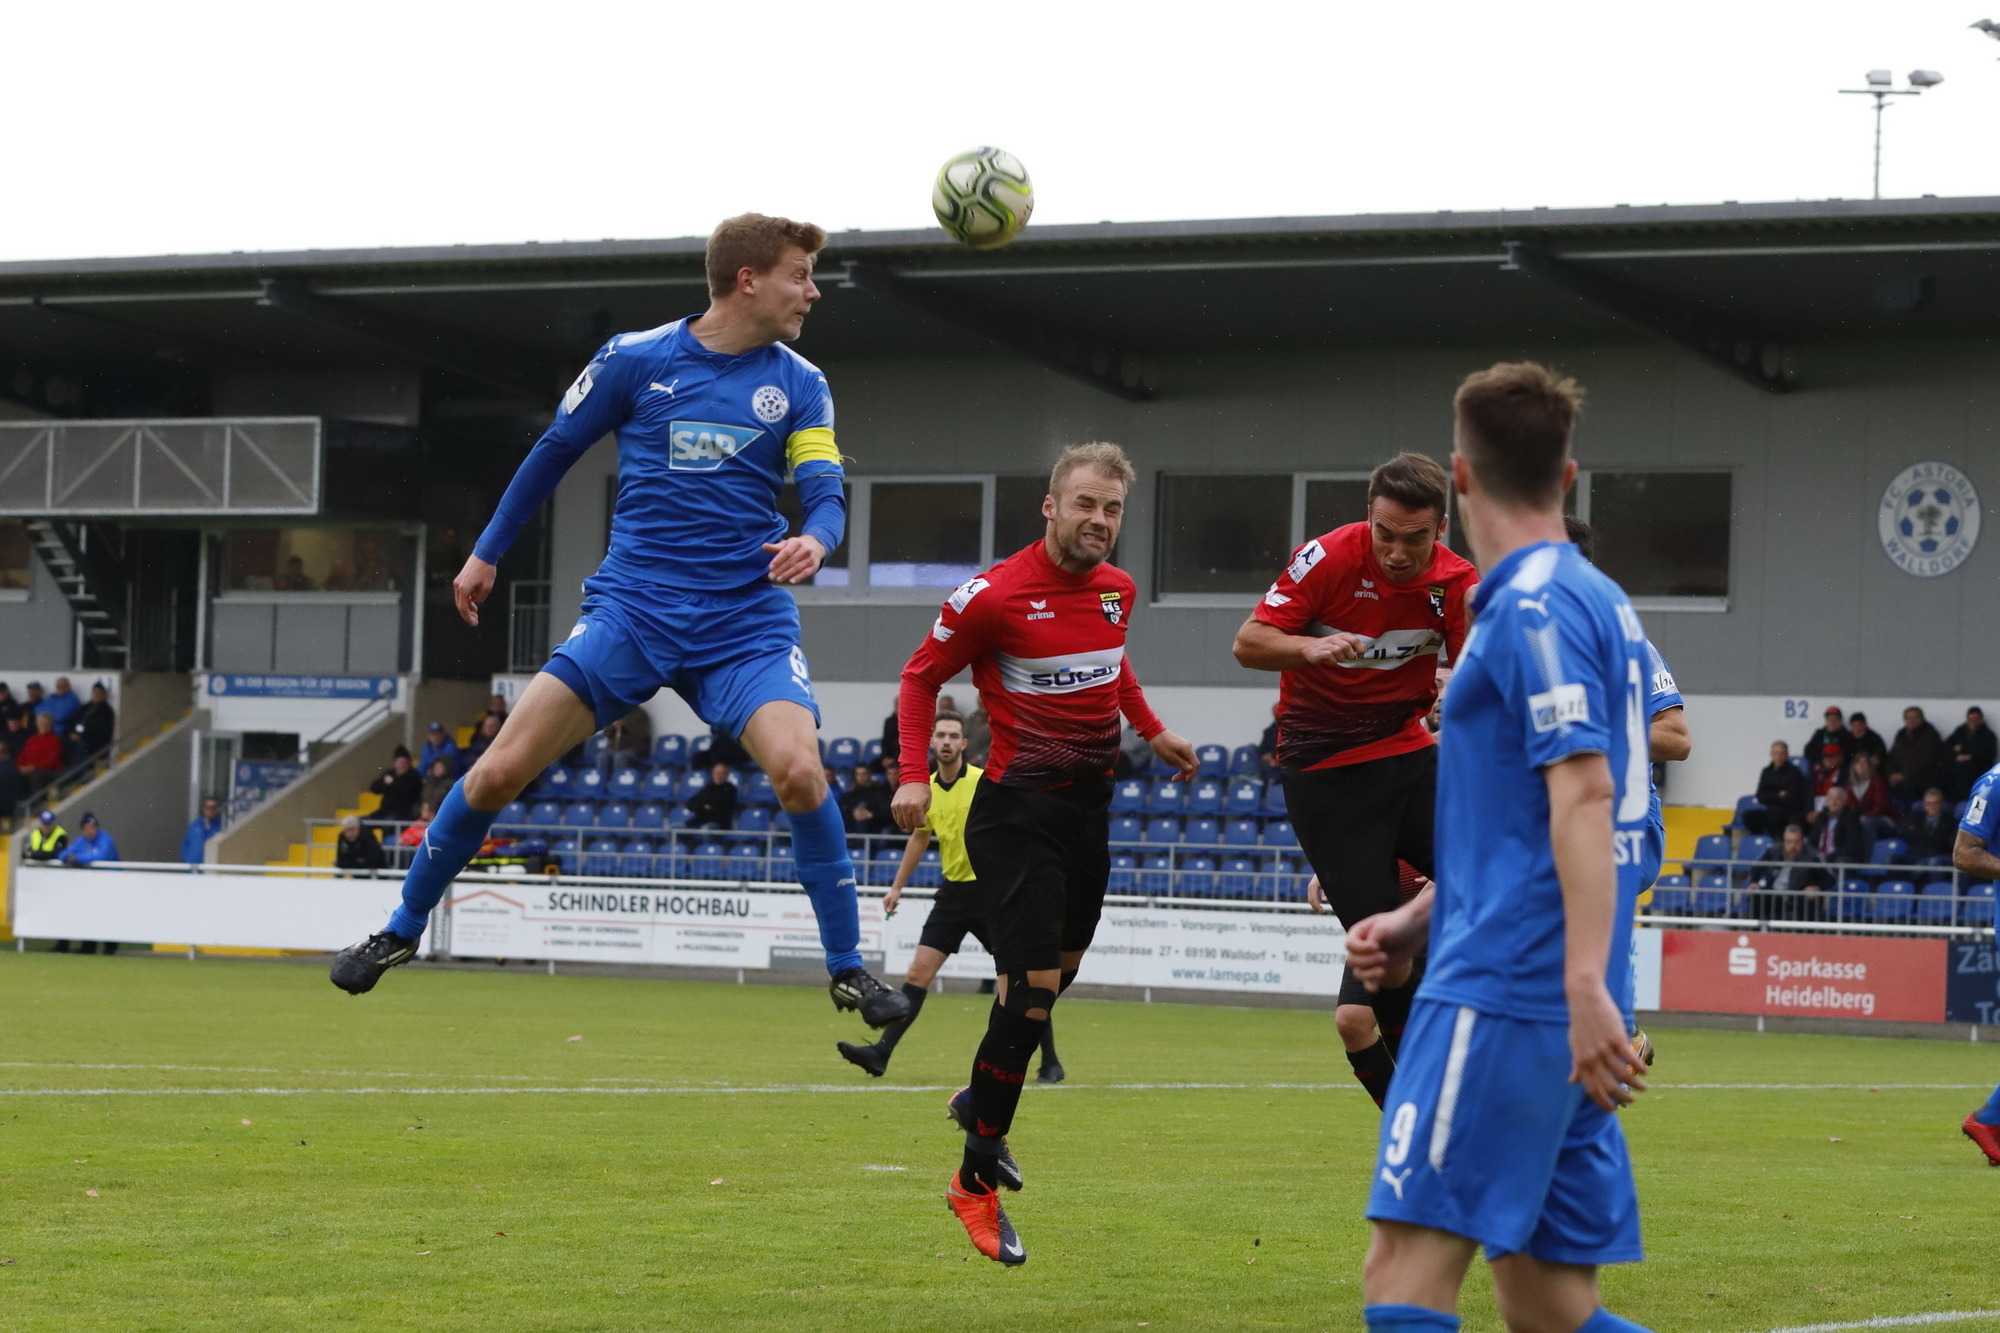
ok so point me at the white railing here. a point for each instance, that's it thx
(203, 465)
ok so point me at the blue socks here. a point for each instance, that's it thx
(819, 847)
(1606, 1322)
(1989, 1114)
(1412, 1319)
(452, 839)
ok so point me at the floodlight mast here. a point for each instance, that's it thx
(1879, 81)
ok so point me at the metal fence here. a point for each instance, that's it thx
(100, 469)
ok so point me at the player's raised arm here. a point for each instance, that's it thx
(598, 403)
(1276, 637)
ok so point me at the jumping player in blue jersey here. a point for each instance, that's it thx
(712, 413)
(1500, 1128)
(1973, 854)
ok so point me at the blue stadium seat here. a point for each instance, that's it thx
(1274, 799)
(884, 864)
(871, 750)
(843, 752)
(597, 751)
(1889, 852)
(615, 815)
(1164, 828)
(662, 784)
(1671, 896)
(652, 816)
(783, 869)
(678, 816)
(929, 873)
(1128, 797)
(1855, 901)
(670, 751)
(698, 748)
(546, 814)
(1241, 833)
(513, 815)
(1278, 834)
(589, 785)
(1246, 797)
(558, 783)
(1711, 856)
(709, 861)
(567, 854)
(1279, 879)
(1895, 900)
(1245, 762)
(1202, 833)
(1214, 761)
(1934, 903)
(1124, 874)
(638, 860)
(1238, 878)
(694, 780)
(1126, 828)
(754, 819)
(746, 861)
(627, 784)
(579, 814)
(781, 820)
(1157, 878)
(1197, 878)
(1752, 847)
(602, 858)
(1205, 797)
(1711, 895)
(1978, 908)
(1744, 805)
(1166, 798)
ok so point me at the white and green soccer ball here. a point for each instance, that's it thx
(983, 197)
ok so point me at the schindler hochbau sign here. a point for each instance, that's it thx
(1929, 519)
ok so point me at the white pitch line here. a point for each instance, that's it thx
(1896, 1321)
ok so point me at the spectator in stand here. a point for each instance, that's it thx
(1930, 828)
(438, 744)
(93, 726)
(1783, 792)
(13, 786)
(91, 845)
(1968, 752)
(32, 704)
(1867, 791)
(630, 740)
(438, 782)
(47, 839)
(401, 788)
(357, 848)
(62, 705)
(1837, 833)
(892, 739)
(42, 757)
(194, 842)
(16, 730)
(892, 774)
(10, 707)
(482, 740)
(295, 578)
(1830, 773)
(1866, 739)
(1833, 731)
(496, 707)
(714, 806)
(867, 804)
(1267, 744)
(1916, 758)
(1789, 881)
(413, 832)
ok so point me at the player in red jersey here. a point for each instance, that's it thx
(1356, 623)
(1044, 634)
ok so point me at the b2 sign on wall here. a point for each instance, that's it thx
(1929, 519)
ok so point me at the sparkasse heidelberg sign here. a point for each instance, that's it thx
(1813, 976)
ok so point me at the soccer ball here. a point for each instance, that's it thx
(983, 197)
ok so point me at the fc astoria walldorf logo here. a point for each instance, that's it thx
(1929, 520)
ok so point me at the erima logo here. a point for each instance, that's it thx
(1041, 611)
(703, 446)
(1371, 596)
(1396, 1179)
(1559, 707)
(1039, 606)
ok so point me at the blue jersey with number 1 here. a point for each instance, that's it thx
(705, 443)
(1556, 666)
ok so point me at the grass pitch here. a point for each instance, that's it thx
(233, 1145)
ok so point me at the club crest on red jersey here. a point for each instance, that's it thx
(1112, 604)
(1437, 600)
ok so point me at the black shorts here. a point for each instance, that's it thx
(1044, 859)
(958, 910)
(1355, 822)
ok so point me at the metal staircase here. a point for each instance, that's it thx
(93, 594)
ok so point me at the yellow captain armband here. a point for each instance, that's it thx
(813, 445)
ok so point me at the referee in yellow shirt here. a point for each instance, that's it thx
(958, 907)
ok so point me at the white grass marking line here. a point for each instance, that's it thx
(635, 1089)
(872, 1167)
(1896, 1321)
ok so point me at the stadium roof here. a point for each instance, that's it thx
(1735, 283)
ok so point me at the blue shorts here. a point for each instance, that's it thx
(726, 653)
(1485, 1137)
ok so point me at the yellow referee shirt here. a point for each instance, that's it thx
(947, 823)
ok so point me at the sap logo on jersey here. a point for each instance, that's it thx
(703, 446)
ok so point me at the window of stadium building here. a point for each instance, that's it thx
(1661, 535)
(925, 534)
(316, 559)
(1224, 534)
(17, 573)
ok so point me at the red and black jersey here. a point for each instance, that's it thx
(1374, 706)
(1047, 651)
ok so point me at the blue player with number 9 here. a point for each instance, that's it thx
(1501, 1128)
(712, 415)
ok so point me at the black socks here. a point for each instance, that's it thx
(1392, 1013)
(998, 1071)
(1374, 1066)
(894, 1032)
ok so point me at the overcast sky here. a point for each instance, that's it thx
(207, 126)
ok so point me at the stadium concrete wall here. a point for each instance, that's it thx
(1815, 607)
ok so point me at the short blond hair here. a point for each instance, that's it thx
(1099, 455)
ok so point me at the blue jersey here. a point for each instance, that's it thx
(705, 443)
(1555, 666)
(1661, 694)
(1982, 811)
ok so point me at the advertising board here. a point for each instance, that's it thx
(1812, 976)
